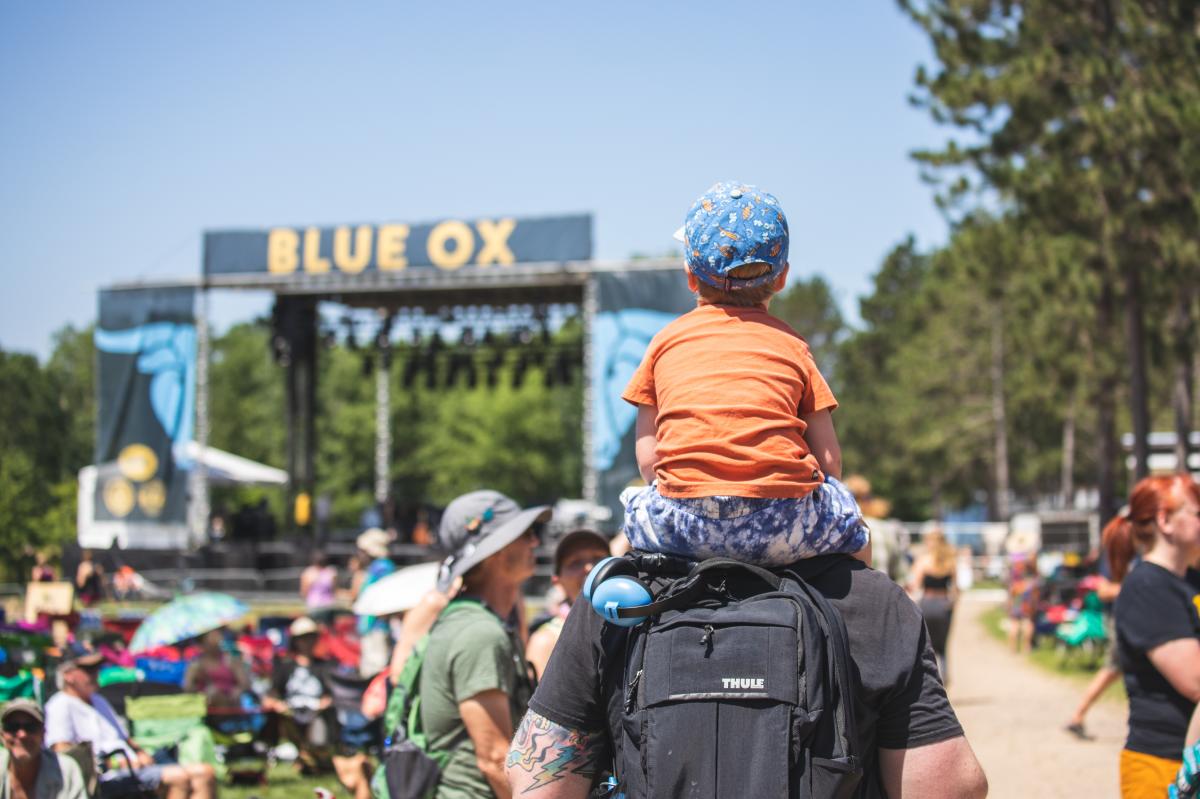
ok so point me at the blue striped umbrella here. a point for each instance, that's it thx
(186, 617)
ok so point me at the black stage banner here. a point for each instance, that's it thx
(630, 308)
(448, 245)
(146, 380)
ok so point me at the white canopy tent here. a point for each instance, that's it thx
(222, 468)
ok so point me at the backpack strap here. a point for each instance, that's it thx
(685, 592)
(837, 660)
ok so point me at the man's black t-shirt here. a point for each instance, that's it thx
(901, 703)
(1154, 607)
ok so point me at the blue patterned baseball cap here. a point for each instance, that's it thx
(733, 224)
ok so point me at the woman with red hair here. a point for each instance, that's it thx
(1157, 618)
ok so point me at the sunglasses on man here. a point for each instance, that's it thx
(12, 727)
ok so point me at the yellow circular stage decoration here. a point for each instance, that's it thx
(137, 462)
(118, 496)
(152, 497)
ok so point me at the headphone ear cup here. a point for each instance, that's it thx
(609, 567)
(620, 592)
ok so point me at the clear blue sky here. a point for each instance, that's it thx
(129, 128)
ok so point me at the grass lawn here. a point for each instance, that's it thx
(111, 609)
(1046, 657)
(285, 783)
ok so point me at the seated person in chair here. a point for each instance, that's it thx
(221, 677)
(27, 769)
(78, 714)
(301, 698)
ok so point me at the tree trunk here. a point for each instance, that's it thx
(1183, 328)
(999, 419)
(1067, 485)
(1106, 413)
(1135, 339)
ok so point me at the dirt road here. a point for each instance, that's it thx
(1014, 712)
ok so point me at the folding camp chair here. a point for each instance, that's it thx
(237, 735)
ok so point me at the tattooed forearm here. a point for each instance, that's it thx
(555, 762)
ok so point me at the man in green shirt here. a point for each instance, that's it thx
(474, 681)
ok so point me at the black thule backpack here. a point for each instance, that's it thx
(738, 686)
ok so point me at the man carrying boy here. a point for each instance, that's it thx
(734, 432)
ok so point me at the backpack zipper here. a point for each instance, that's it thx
(631, 692)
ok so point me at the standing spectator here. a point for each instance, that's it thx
(932, 580)
(1022, 603)
(373, 631)
(218, 675)
(318, 582)
(78, 714)
(89, 580)
(1107, 586)
(350, 581)
(1158, 626)
(27, 769)
(43, 572)
(577, 552)
(474, 684)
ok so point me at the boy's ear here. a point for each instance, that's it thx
(693, 281)
(781, 279)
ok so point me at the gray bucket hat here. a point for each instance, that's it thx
(477, 525)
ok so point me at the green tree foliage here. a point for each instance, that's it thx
(1078, 123)
(39, 455)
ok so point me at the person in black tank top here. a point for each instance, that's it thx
(932, 580)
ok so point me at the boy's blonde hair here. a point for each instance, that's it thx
(746, 298)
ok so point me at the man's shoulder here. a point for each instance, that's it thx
(869, 600)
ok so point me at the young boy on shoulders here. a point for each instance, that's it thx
(734, 429)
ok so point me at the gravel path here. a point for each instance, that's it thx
(1013, 713)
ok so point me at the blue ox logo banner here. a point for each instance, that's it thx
(631, 307)
(448, 245)
(146, 375)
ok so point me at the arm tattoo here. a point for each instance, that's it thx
(549, 752)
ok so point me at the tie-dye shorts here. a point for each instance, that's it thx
(766, 532)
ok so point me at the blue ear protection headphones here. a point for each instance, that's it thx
(612, 585)
(614, 591)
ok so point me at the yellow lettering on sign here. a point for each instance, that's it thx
(390, 244)
(282, 246)
(313, 262)
(495, 241)
(464, 244)
(347, 260)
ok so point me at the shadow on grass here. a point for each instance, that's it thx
(284, 783)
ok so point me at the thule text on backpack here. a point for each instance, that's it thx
(743, 682)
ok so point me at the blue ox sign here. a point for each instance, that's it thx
(352, 249)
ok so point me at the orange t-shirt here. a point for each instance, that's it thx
(730, 385)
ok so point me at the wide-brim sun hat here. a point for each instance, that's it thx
(477, 525)
(374, 542)
(303, 626)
